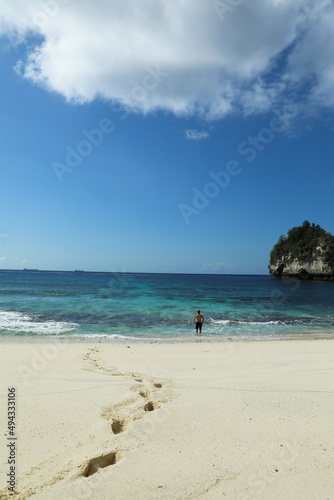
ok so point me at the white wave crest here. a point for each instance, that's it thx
(22, 323)
(227, 322)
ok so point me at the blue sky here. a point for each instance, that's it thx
(152, 104)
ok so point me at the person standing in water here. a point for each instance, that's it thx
(198, 320)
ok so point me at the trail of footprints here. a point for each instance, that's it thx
(148, 396)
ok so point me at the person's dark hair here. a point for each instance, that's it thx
(199, 312)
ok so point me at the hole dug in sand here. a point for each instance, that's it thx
(101, 462)
(118, 426)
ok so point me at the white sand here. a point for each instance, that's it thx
(241, 420)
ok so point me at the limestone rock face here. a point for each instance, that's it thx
(307, 253)
(316, 269)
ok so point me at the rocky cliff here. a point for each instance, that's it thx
(306, 253)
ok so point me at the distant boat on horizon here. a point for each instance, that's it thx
(25, 269)
(79, 271)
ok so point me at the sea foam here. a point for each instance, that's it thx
(16, 322)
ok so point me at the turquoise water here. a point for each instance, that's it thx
(161, 306)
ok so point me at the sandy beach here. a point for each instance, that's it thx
(239, 420)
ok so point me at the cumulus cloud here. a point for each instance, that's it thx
(179, 56)
(196, 135)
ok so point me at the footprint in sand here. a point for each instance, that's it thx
(100, 462)
(144, 393)
(118, 426)
(150, 406)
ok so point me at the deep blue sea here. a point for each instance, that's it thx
(162, 306)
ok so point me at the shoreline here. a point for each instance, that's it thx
(240, 420)
(119, 339)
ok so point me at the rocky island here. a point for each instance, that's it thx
(307, 253)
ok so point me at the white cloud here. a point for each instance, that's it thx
(216, 266)
(178, 55)
(2, 259)
(196, 135)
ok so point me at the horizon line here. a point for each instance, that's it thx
(81, 271)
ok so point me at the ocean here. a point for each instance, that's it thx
(161, 306)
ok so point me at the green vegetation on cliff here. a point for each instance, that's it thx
(302, 243)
